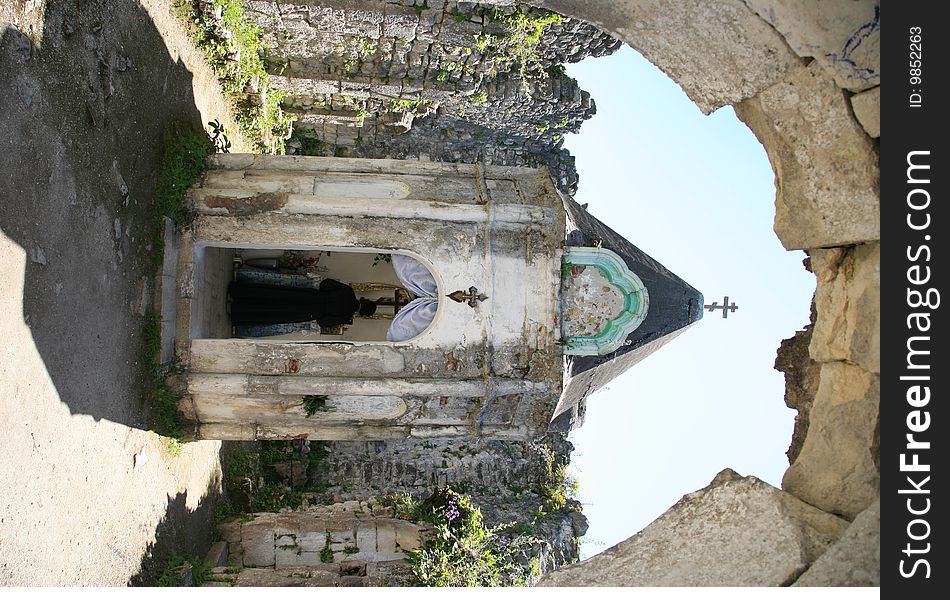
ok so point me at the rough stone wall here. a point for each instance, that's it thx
(350, 543)
(363, 469)
(504, 479)
(804, 76)
(359, 74)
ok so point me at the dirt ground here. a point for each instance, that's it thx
(89, 496)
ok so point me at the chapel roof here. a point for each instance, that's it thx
(674, 306)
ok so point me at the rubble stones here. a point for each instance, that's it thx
(801, 383)
(855, 559)
(369, 60)
(738, 531)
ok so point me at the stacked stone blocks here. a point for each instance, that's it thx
(358, 74)
(351, 533)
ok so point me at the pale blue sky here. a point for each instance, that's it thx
(697, 193)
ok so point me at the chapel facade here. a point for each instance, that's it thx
(510, 304)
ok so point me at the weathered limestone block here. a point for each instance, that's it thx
(848, 303)
(217, 555)
(312, 541)
(385, 537)
(236, 554)
(738, 531)
(288, 556)
(230, 531)
(844, 37)
(867, 109)
(718, 52)
(826, 169)
(855, 559)
(294, 523)
(288, 577)
(257, 537)
(366, 537)
(408, 535)
(837, 469)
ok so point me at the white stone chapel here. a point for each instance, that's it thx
(501, 303)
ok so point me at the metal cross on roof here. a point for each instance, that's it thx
(725, 307)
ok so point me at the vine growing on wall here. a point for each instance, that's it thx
(519, 45)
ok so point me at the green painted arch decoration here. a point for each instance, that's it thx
(636, 301)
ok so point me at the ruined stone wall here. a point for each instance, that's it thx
(359, 74)
(504, 479)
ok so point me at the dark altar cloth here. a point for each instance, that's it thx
(261, 304)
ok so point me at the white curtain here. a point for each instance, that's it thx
(413, 318)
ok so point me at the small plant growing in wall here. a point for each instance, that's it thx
(313, 404)
(367, 47)
(403, 504)
(326, 555)
(521, 41)
(171, 575)
(351, 68)
(566, 267)
(558, 486)
(482, 41)
(418, 107)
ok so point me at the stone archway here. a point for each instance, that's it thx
(805, 77)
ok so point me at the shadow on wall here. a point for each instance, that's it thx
(181, 531)
(89, 93)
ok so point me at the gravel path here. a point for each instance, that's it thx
(88, 496)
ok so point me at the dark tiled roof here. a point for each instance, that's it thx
(674, 305)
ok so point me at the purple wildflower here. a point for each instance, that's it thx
(453, 512)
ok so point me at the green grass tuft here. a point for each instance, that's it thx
(183, 163)
(316, 403)
(171, 572)
(162, 401)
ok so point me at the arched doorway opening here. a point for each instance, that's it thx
(370, 273)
